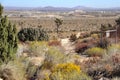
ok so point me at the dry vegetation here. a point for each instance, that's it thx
(50, 60)
(69, 24)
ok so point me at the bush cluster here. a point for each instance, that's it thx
(32, 34)
(95, 51)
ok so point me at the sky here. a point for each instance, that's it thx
(62, 3)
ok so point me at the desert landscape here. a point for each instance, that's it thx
(59, 43)
(74, 21)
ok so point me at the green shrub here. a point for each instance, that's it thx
(55, 56)
(96, 51)
(114, 48)
(1, 10)
(32, 34)
(67, 71)
(8, 40)
(38, 48)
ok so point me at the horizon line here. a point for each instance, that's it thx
(61, 7)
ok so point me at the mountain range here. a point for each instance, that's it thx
(51, 8)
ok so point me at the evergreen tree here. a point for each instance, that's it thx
(8, 40)
(1, 10)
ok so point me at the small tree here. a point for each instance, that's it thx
(118, 21)
(1, 10)
(58, 22)
(8, 39)
(117, 28)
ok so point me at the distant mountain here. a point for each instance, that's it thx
(51, 8)
(110, 9)
(82, 8)
(18, 8)
(47, 8)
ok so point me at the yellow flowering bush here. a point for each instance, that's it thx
(66, 68)
(67, 71)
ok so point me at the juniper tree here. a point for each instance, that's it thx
(1, 10)
(8, 40)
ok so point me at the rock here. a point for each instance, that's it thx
(67, 45)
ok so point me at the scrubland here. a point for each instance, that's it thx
(44, 55)
(48, 60)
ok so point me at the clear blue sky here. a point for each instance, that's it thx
(62, 3)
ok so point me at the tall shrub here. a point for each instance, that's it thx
(1, 10)
(8, 40)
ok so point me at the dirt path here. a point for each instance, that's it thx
(69, 49)
(68, 46)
